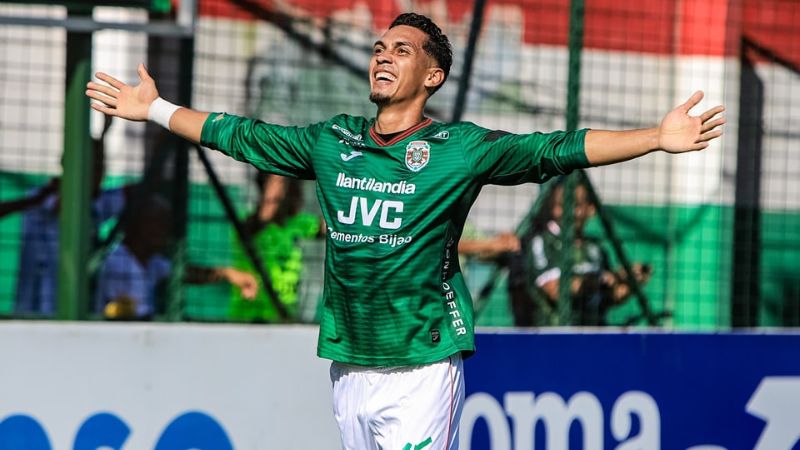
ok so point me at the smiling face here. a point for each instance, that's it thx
(400, 69)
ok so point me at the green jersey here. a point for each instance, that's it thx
(393, 293)
(279, 247)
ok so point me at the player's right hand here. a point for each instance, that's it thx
(115, 98)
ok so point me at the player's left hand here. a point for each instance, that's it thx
(680, 132)
(118, 99)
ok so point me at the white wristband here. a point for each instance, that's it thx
(161, 111)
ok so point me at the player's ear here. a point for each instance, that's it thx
(434, 78)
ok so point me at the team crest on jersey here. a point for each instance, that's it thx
(418, 153)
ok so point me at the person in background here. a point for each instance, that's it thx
(38, 264)
(276, 226)
(535, 275)
(130, 277)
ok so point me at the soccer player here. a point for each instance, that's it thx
(395, 191)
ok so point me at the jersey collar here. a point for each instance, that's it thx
(378, 140)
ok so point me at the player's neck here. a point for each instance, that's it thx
(396, 118)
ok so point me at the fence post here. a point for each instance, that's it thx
(576, 17)
(469, 57)
(75, 192)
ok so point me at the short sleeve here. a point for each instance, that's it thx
(499, 157)
(272, 148)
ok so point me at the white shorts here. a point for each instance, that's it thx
(399, 408)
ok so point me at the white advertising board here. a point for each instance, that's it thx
(263, 386)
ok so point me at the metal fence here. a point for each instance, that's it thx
(719, 228)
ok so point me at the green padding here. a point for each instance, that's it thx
(209, 244)
(780, 277)
(689, 248)
(160, 6)
(12, 186)
(691, 251)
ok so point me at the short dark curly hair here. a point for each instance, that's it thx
(436, 46)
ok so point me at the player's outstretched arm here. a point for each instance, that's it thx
(678, 132)
(138, 103)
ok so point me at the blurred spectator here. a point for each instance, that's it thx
(38, 265)
(276, 227)
(535, 273)
(131, 275)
